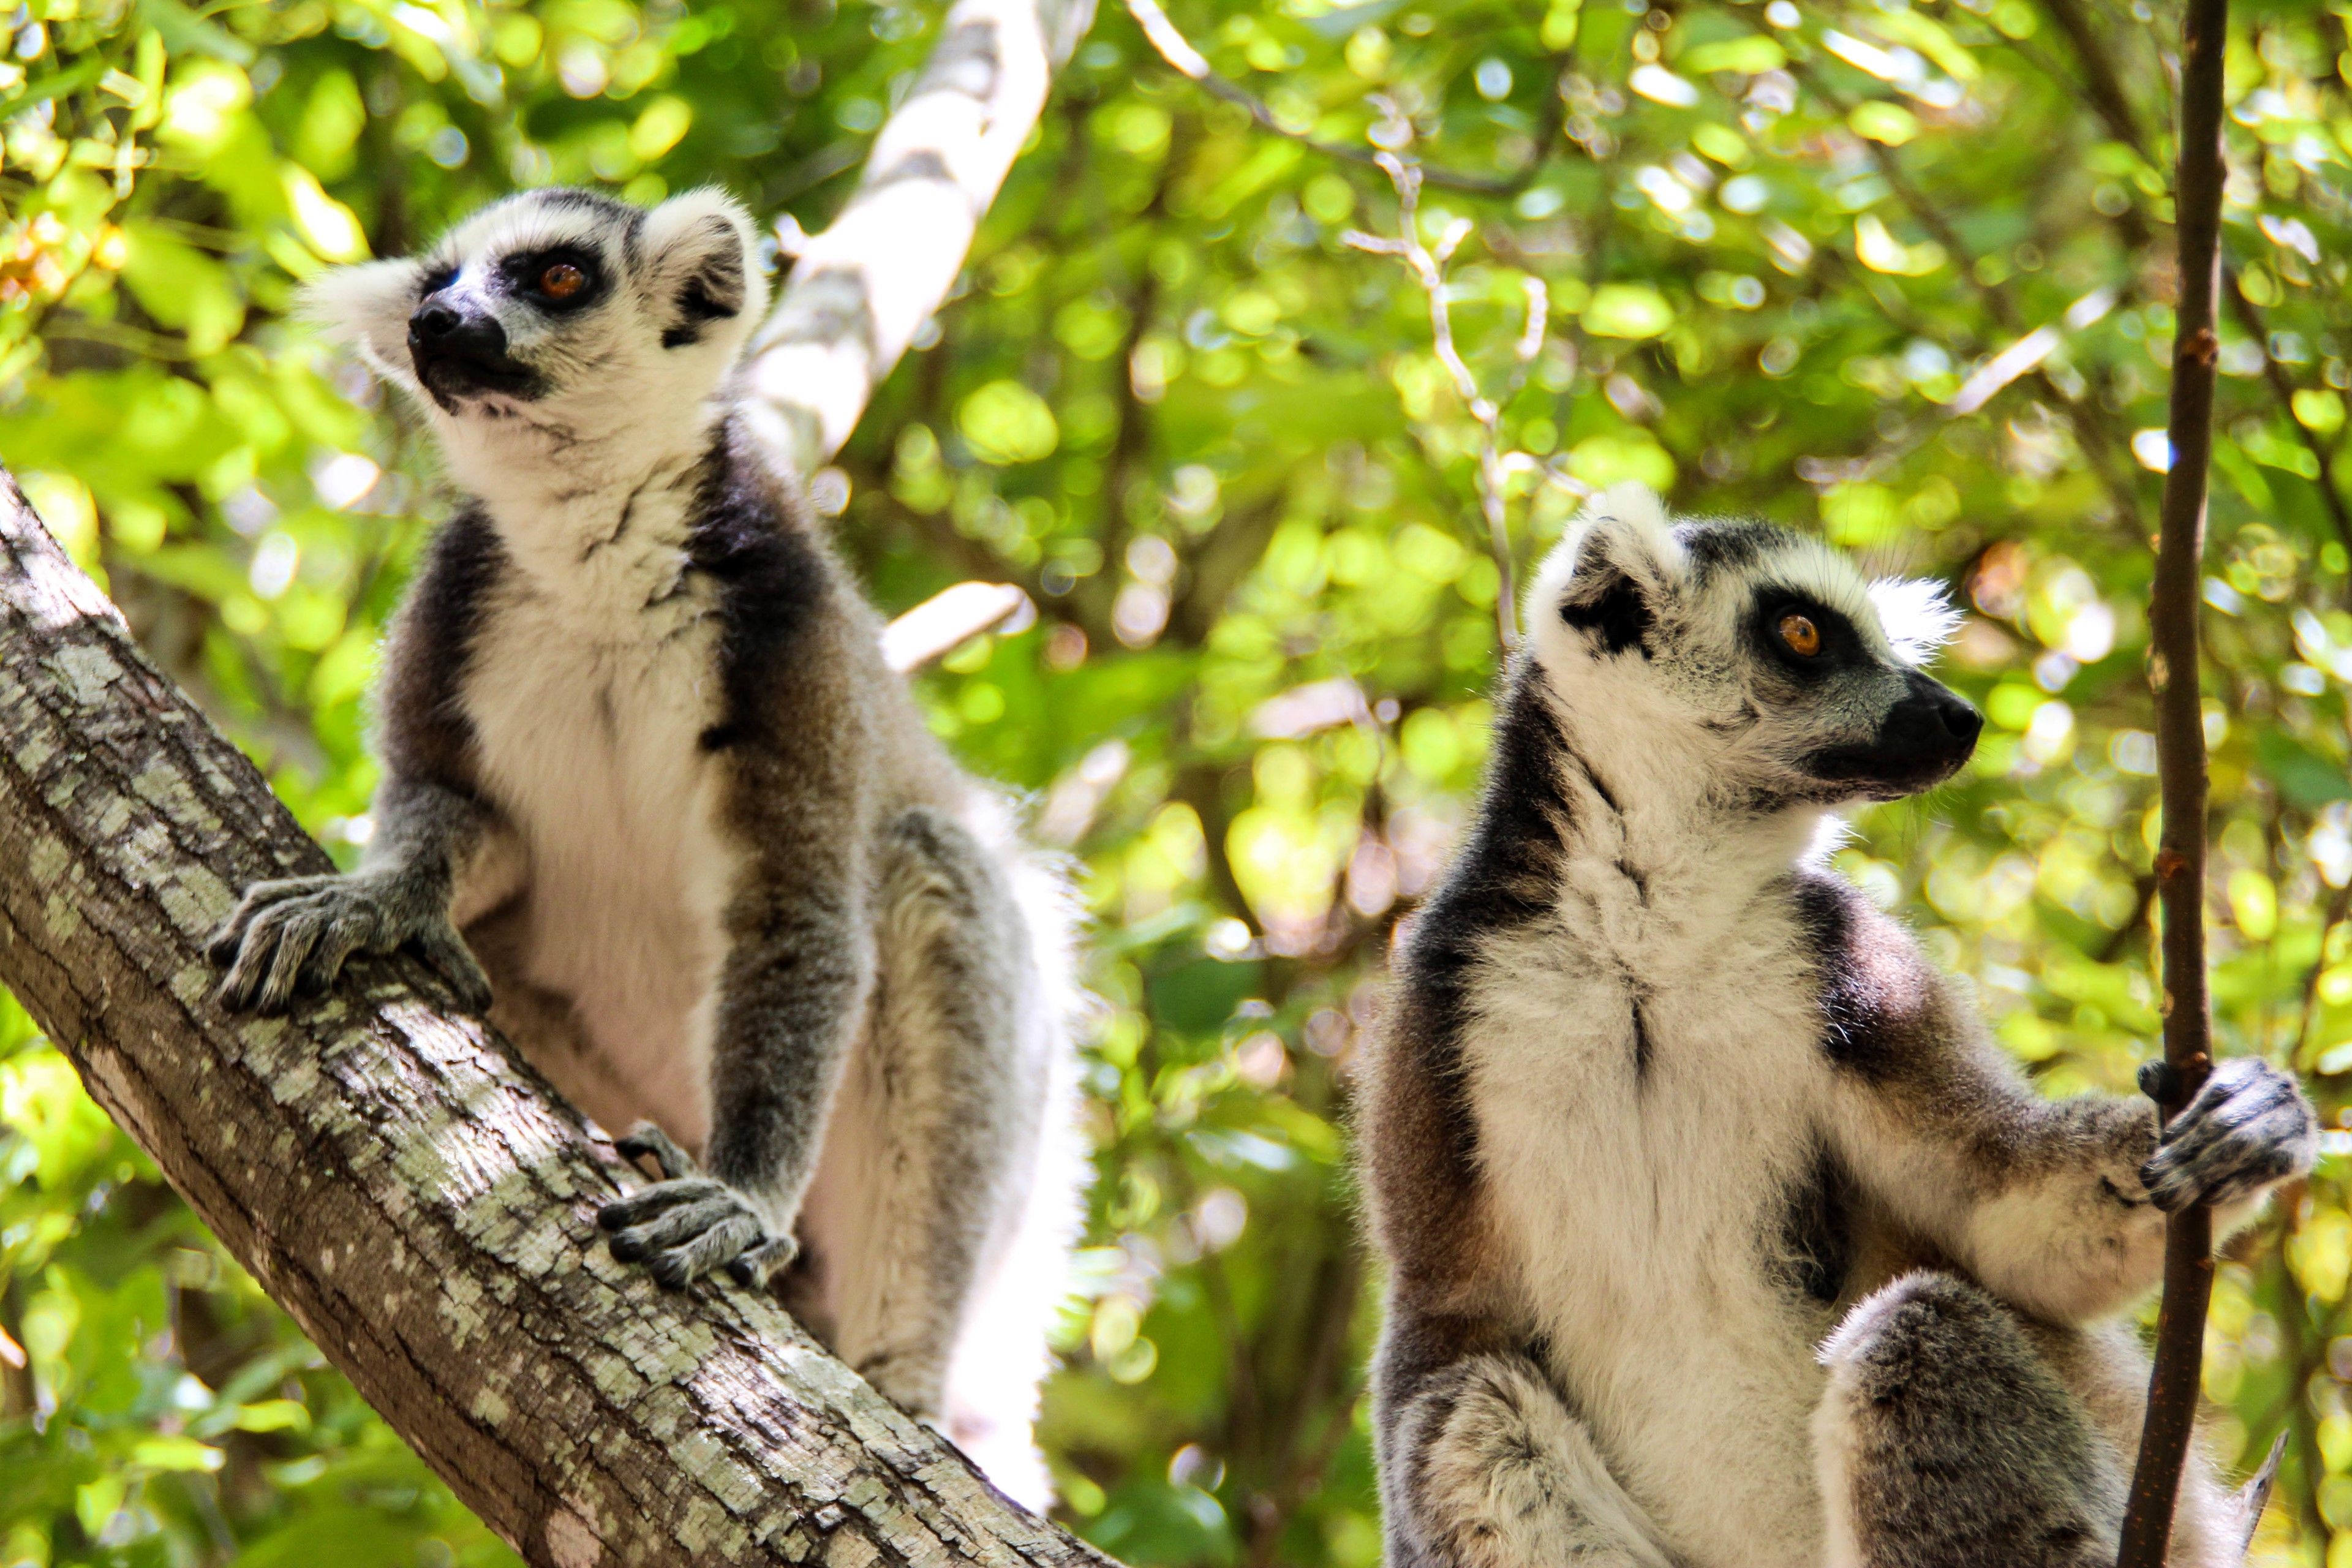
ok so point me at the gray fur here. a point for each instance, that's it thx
(713, 872)
(1962, 1448)
(1660, 1106)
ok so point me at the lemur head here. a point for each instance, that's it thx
(559, 310)
(1757, 655)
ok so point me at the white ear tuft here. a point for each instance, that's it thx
(345, 303)
(1918, 614)
(703, 259)
(367, 306)
(1632, 504)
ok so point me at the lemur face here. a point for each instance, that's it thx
(557, 297)
(1757, 654)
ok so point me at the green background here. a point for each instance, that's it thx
(1210, 439)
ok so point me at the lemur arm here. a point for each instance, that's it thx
(431, 829)
(2057, 1208)
(790, 996)
(792, 988)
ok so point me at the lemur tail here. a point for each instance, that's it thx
(1002, 1354)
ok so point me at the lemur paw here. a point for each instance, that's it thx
(2249, 1128)
(294, 936)
(688, 1224)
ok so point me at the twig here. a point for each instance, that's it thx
(2096, 445)
(2180, 765)
(1428, 269)
(1172, 47)
(2105, 86)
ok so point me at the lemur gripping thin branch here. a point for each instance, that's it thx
(1721, 1234)
(651, 796)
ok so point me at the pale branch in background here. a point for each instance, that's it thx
(951, 617)
(860, 291)
(1428, 269)
(400, 1182)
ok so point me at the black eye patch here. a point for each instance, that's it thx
(1802, 635)
(438, 278)
(558, 278)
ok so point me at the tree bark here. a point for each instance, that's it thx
(399, 1180)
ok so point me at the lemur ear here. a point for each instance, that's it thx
(700, 265)
(1614, 572)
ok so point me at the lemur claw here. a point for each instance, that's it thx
(648, 1140)
(690, 1223)
(2248, 1128)
(292, 937)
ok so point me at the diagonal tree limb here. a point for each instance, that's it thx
(399, 1181)
(390, 1172)
(2173, 669)
(860, 290)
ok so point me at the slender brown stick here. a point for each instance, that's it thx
(2181, 762)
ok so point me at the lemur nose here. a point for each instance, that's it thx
(445, 330)
(1960, 719)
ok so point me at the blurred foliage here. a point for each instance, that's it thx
(1896, 272)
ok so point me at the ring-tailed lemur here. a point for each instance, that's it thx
(1664, 1111)
(640, 746)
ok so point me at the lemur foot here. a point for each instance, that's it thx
(690, 1223)
(293, 936)
(2249, 1128)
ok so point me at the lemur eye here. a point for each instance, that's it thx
(561, 281)
(1803, 638)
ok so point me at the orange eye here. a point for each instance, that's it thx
(561, 281)
(1803, 638)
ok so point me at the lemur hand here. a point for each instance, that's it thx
(690, 1223)
(2248, 1128)
(294, 935)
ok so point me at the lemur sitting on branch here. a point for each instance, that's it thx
(640, 747)
(1720, 1235)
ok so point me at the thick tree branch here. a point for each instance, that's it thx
(860, 290)
(399, 1181)
(2173, 669)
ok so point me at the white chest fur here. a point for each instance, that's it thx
(594, 674)
(1643, 1200)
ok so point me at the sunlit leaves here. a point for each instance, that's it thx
(1785, 249)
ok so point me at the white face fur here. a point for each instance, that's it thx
(1757, 658)
(557, 321)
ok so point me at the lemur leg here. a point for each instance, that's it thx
(294, 935)
(1946, 1440)
(938, 1110)
(1486, 1466)
(791, 994)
